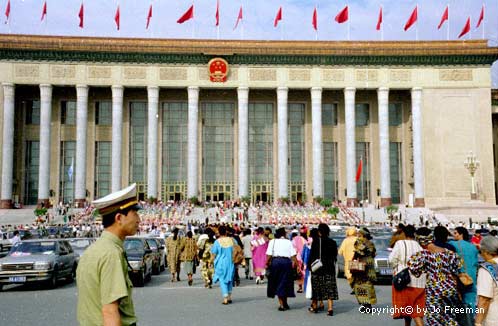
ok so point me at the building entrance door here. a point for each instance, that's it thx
(261, 192)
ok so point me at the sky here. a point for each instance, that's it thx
(258, 17)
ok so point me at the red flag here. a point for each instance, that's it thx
(278, 17)
(239, 18)
(81, 15)
(481, 17)
(217, 13)
(7, 10)
(465, 29)
(44, 10)
(342, 16)
(149, 16)
(443, 18)
(379, 20)
(314, 21)
(358, 172)
(116, 18)
(189, 14)
(412, 19)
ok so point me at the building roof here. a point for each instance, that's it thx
(138, 50)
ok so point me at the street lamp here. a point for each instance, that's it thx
(472, 163)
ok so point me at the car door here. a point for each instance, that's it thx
(64, 258)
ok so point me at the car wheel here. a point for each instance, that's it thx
(163, 267)
(52, 283)
(156, 269)
(141, 279)
(72, 275)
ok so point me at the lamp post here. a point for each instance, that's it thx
(472, 163)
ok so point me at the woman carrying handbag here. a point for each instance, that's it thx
(363, 280)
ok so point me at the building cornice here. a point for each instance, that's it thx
(178, 51)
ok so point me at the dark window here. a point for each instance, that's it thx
(32, 112)
(103, 113)
(395, 114)
(329, 114)
(362, 114)
(68, 112)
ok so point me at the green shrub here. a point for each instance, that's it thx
(284, 200)
(391, 209)
(245, 199)
(326, 202)
(193, 200)
(40, 211)
(333, 211)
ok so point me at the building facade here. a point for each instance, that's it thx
(81, 117)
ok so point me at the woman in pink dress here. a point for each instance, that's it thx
(298, 241)
(259, 245)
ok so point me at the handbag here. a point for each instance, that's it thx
(402, 278)
(317, 263)
(464, 278)
(356, 266)
(237, 254)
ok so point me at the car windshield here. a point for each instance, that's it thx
(33, 248)
(381, 243)
(152, 244)
(79, 243)
(133, 245)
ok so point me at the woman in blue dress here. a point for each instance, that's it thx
(221, 255)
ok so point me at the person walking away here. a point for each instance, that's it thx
(246, 242)
(207, 269)
(224, 268)
(413, 296)
(487, 284)
(441, 234)
(188, 255)
(347, 251)
(470, 256)
(299, 241)
(363, 281)
(323, 280)
(281, 256)
(259, 246)
(104, 287)
(173, 247)
(441, 267)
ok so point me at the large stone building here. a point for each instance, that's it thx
(82, 117)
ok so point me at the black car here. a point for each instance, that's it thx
(140, 260)
(155, 246)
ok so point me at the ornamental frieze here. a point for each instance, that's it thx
(63, 71)
(400, 75)
(299, 75)
(26, 71)
(333, 75)
(173, 74)
(99, 72)
(262, 74)
(367, 75)
(134, 73)
(455, 75)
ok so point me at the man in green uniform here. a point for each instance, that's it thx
(104, 288)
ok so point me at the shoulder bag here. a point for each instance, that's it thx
(464, 277)
(402, 278)
(317, 263)
(237, 253)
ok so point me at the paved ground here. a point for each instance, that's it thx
(161, 302)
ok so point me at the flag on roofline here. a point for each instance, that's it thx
(466, 28)
(7, 12)
(217, 15)
(149, 16)
(444, 18)
(44, 11)
(412, 19)
(189, 14)
(481, 17)
(81, 15)
(314, 20)
(278, 17)
(379, 20)
(342, 16)
(116, 18)
(239, 18)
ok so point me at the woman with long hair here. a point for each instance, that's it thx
(281, 257)
(224, 269)
(173, 247)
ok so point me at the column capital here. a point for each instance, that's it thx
(117, 91)
(282, 89)
(349, 89)
(193, 88)
(382, 89)
(45, 91)
(316, 89)
(416, 89)
(243, 88)
(316, 92)
(45, 86)
(153, 93)
(81, 90)
(117, 87)
(8, 89)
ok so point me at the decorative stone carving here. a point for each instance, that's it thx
(367, 75)
(173, 74)
(25, 71)
(299, 75)
(134, 73)
(63, 71)
(400, 75)
(455, 75)
(203, 74)
(333, 75)
(99, 72)
(263, 75)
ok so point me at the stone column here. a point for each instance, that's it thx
(45, 127)
(81, 130)
(418, 163)
(153, 104)
(243, 97)
(8, 144)
(316, 126)
(385, 171)
(193, 111)
(117, 136)
(349, 103)
(283, 144)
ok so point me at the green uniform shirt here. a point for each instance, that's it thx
(102, 278)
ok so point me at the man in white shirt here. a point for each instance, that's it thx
(246, 243)
(16, 238)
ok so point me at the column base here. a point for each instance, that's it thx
(473, 196)
(384, 202)
(6, 204)
(419, 202)
(79, 203)
(44, 202)
(352, 202)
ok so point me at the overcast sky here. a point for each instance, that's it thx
(62, 19)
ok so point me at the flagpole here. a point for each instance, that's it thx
(382, 24)
(242, 29)
(349, 25)
(416, 27)
(483, 21)
(448, 27)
